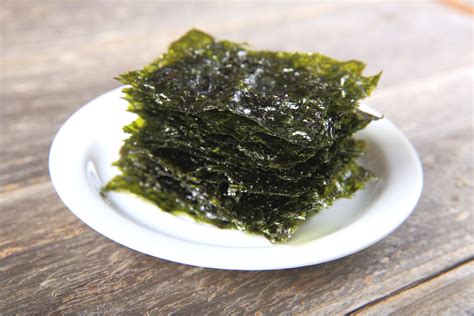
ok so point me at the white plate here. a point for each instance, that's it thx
(80, 163)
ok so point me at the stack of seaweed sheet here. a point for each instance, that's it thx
(253, 140)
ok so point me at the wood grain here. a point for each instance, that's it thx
(57, 55)
(435, 296)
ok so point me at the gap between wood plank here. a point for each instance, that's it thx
(411, 286)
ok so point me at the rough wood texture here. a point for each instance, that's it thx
(450, 292)
(57, 55)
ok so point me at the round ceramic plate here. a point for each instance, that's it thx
(87, 144)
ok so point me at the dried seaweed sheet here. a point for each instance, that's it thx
(253, 140)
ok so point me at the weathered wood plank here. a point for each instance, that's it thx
(448, 293)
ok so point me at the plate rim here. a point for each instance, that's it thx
(231, 258)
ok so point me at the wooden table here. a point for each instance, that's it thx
(57, 55)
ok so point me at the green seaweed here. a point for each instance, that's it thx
(252, 140)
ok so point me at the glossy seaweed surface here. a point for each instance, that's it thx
(253, 140)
